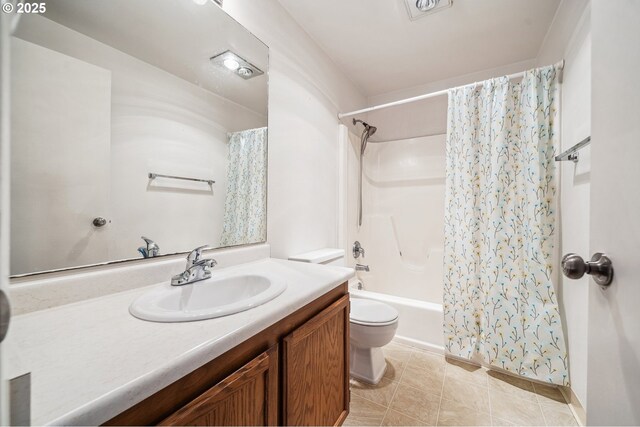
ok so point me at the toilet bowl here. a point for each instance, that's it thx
(373, 325)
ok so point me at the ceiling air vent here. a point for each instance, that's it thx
(419, 8)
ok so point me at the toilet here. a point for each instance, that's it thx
(373, 324)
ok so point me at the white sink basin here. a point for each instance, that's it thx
(222, 295)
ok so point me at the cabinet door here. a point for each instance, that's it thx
(249, 396)
(316, 369)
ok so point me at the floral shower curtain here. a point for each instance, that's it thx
(499, 300)
(245, 208)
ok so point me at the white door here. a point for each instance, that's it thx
(4, 197)
(613, 380)
(60, 150)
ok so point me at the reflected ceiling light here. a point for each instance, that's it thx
(233, 62)
(201, 2)
(245, 72)
(419, 8)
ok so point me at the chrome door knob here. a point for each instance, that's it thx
(600, 267)
(99, 222)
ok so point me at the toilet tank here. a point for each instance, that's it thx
(327, 256)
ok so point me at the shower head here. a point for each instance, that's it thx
(367, 127)
(366, 134)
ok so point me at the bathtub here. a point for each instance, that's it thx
(419, 324)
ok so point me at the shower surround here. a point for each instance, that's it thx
(402, 230)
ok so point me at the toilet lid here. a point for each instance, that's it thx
(368, 312)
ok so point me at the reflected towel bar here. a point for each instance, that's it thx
(157, 175)
(572, 153)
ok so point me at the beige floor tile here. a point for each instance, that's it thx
(394, 418)
(500, 422)
(508, 407)
(416, 403)
(472, 396)
(454, 413)
(549, 394)
(424, 371)
(466, 372)
(424, 378)
(364, 413)
(380, 393)
(512, 385)
(426, 359)
(394, 370)
(558, 415)
(397, 357)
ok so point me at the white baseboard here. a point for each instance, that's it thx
(575, 405)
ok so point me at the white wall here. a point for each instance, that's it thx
(306, 92)
(569, 37)
(427, 117)
(159, 123)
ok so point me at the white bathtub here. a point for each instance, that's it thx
(419, 324)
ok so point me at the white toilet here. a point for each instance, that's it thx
(373, 325)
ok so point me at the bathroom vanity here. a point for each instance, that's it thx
(296, 372)
(283, 362)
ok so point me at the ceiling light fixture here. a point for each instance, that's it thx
(426, 5)
(419, 8)
(238, 65)
(231, 64)
(245, 72)
(203, 2)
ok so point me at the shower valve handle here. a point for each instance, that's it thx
(357, 250)
(600, 267)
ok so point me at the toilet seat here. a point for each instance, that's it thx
(372, 313)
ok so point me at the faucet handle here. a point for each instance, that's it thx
(206, 263)
(151, 250)
(357, 250)
(194, 255)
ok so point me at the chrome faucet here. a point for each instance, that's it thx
(151, 250)
(360, 267)
(197, 269)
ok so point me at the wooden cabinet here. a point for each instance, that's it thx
(316, 369)
(248, 397)
(295, 372)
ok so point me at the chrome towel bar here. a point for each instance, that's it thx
(572, 153)
(158, 175)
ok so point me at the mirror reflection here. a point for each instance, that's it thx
(138, 130)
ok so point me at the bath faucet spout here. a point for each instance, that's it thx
(360, 267)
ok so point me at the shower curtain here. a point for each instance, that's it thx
(500, 305)
(245, 208)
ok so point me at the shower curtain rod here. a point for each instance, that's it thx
(559, 66)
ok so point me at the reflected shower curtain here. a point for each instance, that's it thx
(499, 300)
(245, 208)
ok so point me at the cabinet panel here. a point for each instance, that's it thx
(249, 396)
(315, 361)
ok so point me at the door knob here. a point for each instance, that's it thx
(99, 222)
(600, 267)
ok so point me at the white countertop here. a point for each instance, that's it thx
(91, 360)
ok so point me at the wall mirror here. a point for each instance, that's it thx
(134, 118)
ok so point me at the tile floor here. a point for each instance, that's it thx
(421, 388)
